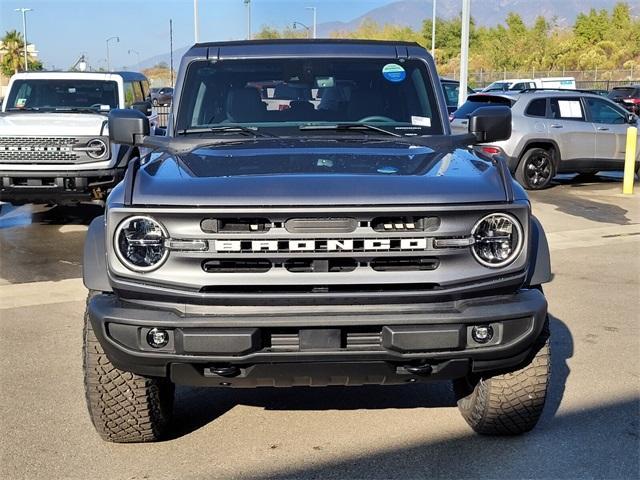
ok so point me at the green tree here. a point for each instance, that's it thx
(12, 47)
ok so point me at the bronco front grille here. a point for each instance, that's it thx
(47, 150)
(329, 251)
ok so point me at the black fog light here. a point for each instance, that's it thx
(482, 333)
(157, 338)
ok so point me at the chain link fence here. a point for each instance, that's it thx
(589, 79)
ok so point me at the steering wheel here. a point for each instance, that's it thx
(376, 118)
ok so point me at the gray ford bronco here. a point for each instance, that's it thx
(310, 220)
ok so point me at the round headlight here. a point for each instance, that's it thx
(140, 243)
(96, 148)
(498, 240)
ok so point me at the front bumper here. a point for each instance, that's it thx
(328, 345)
(57, 186)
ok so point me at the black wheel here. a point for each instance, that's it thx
(155, 102)
(508, 404)
(536, 169)
(124, 407)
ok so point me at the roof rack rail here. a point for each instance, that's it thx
(579, 90)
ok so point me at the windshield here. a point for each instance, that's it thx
(624, 92)
(61, 95)
(497, 86)
(290, 94)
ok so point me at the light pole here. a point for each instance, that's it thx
(433, 31)
(307, 28)
(130, 51)
(315, 20)
(196, 33)
(247, 4)
(464, 51)
(24, 33)
(117, 39)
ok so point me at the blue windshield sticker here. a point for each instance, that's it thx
(393, 72)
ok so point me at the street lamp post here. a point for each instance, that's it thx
(464, 51)
(196, 33)
(117, 39)
(433, 31)
(24, 33)
(315, 20)
(306, 27)
(247, 4)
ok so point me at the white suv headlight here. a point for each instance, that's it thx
(139, 243)
(498, 240)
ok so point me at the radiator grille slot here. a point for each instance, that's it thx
(236, 266)
(235, 225)
(340, 288)
(404, 264)
(405, 224)
(332, 265)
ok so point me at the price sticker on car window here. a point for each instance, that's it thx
(570, 108)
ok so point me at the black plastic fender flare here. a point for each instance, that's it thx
(540, 266)
(94, 263)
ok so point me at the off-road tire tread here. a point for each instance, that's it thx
(511, 403)
(124, 407)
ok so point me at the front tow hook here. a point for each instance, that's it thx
(419, 369)
(229, 371)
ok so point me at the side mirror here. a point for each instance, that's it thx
(128, 126)
(632, 119)
(490, 124)
(144, 107)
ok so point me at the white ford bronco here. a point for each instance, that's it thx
(54, 139)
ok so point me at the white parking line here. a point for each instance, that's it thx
(593, 237)
(21, 295)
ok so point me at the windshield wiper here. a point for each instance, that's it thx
(26, 109)
(250, 131)
(80, 110)
(349, 126)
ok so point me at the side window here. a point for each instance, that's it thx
(537, 108)
(137, 92)
(566, 108)
(145, 90)
(603, 112)
(129, 94)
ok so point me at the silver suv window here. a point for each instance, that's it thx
(566, 108)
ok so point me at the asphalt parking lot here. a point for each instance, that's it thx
(590, 428)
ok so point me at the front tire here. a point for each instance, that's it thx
(124, 407)
(508, 404)
(536, 169)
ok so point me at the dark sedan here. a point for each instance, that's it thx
(161, 96)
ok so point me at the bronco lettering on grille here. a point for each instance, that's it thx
(328, 245)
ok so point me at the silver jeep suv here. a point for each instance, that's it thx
(555, 131)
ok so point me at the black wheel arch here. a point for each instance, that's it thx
(540, 260)
(544, 143)
(94, 263)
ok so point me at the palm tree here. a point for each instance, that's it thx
(12, 51)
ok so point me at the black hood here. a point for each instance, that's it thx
(294, 172)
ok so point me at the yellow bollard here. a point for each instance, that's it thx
(630, 160)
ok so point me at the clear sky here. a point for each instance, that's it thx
(63, 29)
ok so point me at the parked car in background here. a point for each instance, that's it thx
(161, 96)
(54, 143)
(628, 97)
(519, 84)
(451, 89)
(516, 84)
(555, 131)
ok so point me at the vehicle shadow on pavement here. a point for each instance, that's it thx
(569, 447)
(196, 407)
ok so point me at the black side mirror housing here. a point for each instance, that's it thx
(144, 107)
(128, 126)
(632, 119)
(490, 124)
